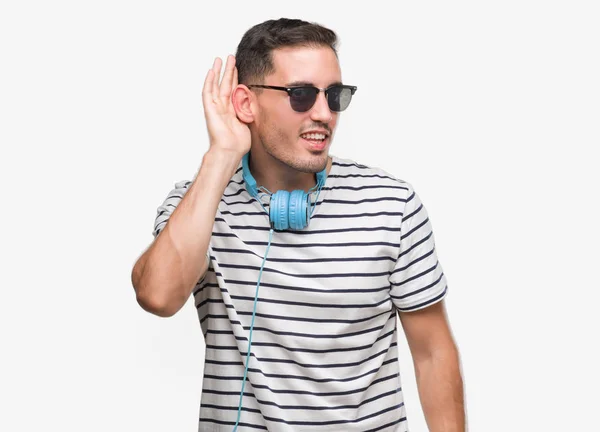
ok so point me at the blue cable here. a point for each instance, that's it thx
(251, 328)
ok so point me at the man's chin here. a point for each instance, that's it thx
(311, 163)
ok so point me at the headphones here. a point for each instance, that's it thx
(286, 211)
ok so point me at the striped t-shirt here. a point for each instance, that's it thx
(324, 353)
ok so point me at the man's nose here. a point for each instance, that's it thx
(320, 110)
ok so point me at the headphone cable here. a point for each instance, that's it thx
(251, 328)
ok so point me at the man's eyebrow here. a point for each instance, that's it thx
(308, 83)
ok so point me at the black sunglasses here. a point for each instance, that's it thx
(302, 98)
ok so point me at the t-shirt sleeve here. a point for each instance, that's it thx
(417, 280)
(163, 213)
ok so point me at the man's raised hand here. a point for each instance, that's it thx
(225, 131)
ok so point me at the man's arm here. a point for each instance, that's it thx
(167, 272)
(165, 275)
(437, 367)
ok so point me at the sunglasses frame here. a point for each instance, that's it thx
(325, 90)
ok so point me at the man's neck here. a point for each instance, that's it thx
(275, 175)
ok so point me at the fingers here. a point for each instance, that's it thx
(234, 82)
(211, 81)
(217, 72)
(226, 84)
(208, 85)
(212, 90)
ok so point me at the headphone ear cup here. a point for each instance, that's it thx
(298, 210)
(278, 211)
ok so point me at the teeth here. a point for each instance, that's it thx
(314, 136)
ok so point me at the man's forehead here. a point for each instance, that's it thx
(306, 65)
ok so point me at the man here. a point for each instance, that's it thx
(297, 294)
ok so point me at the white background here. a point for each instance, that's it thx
(490, 109)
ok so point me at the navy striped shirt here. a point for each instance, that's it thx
(324, 351)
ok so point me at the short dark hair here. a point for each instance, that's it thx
(254, 56)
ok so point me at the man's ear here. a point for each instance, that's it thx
(243, 103)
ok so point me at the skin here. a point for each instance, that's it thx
(437, 367)
(279, 159)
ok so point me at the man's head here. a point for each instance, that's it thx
(287, 53)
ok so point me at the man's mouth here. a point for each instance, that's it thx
(314, 137)
(315, 141)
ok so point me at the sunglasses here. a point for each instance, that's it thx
(302, 98)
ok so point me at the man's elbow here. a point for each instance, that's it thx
(147, 298)
(156, 307)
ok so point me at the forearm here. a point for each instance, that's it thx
(441, 391)
(167, 273)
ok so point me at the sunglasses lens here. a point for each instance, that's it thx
(303, 98)
(339, 98)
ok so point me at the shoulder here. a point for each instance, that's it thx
(353, 171)
(181, 186)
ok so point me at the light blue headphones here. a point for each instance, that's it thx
(286, 210)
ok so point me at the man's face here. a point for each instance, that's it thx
(279, 127)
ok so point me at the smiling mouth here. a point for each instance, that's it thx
(314, 143)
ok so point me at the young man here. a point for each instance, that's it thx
(298, 260)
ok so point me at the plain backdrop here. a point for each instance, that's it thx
(490, 109)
